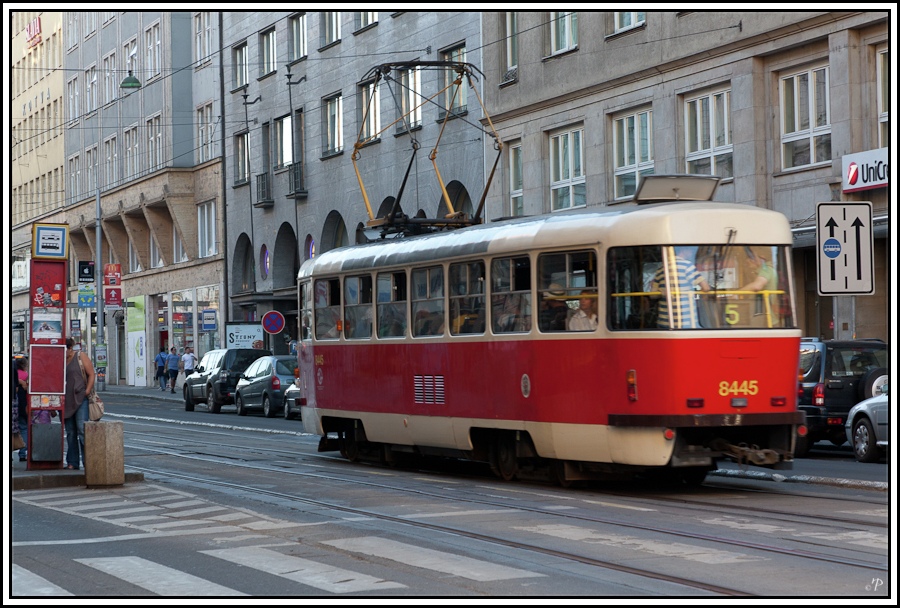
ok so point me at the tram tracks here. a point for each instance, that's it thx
(458, 497)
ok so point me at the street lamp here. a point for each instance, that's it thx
(129, 84)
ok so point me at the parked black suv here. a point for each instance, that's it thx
(215, 378)
(835, 375)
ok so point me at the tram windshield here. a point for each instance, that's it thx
(699, 287)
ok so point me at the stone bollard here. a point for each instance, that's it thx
(104, 453)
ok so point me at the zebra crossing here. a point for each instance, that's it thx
(152, 511)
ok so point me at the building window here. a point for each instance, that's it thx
(108, 16)
(202, 36)
(633, 150)
(90, 89)
(131, 153)
(563, 32)
(411, 98)
(241, 158)
(71, 30)
(90, 23)
(454, 100)
(512, 47)
(567, 187)
(178, 252)
(241, 66)
(90, 159)
(130, 49)
(284, 142)
(154, 143)
(152, 46)
(110, 78)
(156, 260)
(205, 130)
(297, 49)
(333, 119)
(267, 52)
(884, 98)
(134, 263)
(206, 229)
(369, 111)
(627, 21)
(72, 90)
(264, 261)
(516, 206)
(707, 123)
(331, 27)
(74, 179)
(365, 19)
(112, 161)
(805, 118)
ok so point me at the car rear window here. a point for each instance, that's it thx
(857, 361)
(810, 362)
(243, 358)
(285, 367)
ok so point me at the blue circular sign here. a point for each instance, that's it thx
(273, 322)
(832, 248)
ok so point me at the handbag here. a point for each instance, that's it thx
(95, 403)
(17, 442)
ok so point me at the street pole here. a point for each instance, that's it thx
(100, 346)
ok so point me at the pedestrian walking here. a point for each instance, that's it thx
(172, 363)
(160, 361)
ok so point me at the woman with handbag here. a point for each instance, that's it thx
(79, 384)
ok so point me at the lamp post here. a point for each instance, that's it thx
(129, 84)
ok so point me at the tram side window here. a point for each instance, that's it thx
(630, 272)
(564, 279)
(511, 295)
(328, 309)
(391, 307)
(305, 312)
(358, 307)
(467, 298)
(428, 301)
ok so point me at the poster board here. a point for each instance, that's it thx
(47, 369)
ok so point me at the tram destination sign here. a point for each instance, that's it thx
(844, 241)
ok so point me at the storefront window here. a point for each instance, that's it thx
(182, 319)
(208, 320)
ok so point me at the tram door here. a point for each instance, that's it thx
(306, 360)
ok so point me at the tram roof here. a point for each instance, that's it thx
(651, 224)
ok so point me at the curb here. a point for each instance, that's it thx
(43, 482)
(809, 479)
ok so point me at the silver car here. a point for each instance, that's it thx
(262, 385)
(868, 427)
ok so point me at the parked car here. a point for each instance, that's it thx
(868, 428)
(835, 375)
(291, 404)
(213, 381)
(263, 383)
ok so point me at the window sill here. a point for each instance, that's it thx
(240, 88)
(365, 28)
(241, 184)
(801, 169)
(266, 75)
(331, 154)
(401, 131)
(559, 54)
(624, 32)
(329, 45)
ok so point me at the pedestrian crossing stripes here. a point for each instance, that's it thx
(162, 580)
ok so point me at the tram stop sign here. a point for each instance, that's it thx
(845, 248)
(273, 322)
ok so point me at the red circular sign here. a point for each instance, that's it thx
(273, 322)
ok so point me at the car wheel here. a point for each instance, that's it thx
(211, 404)
(239, 405)
(268, 410)
(286, 410)
(188, 401)
(864, 446)
(873, 383)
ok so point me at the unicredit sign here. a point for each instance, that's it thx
(865, 170)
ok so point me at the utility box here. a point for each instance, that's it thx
(104, 453)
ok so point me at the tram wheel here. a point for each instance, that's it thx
(692, 476)
(558, 474)
(503, 460)
(350, 446)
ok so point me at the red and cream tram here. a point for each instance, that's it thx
(651, 338)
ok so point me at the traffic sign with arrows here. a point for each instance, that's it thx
(844, 238)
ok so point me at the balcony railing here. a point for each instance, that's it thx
(264, 191)
(296, 187)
